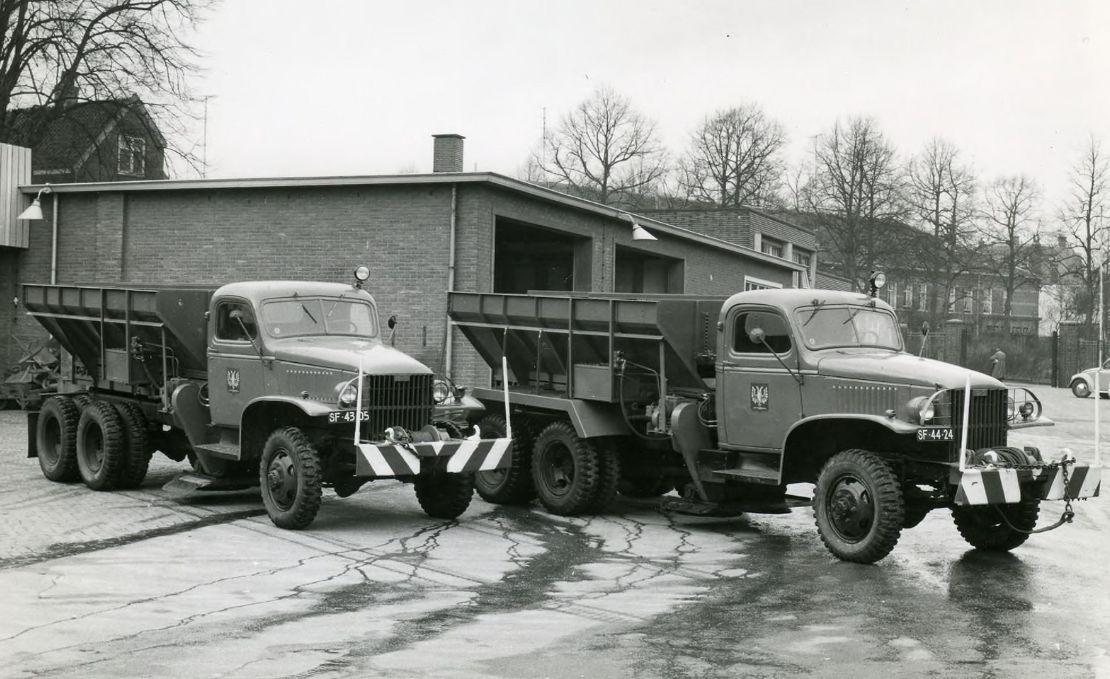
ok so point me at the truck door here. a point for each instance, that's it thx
(759, 399)
(235, 372)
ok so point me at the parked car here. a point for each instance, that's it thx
(1082, 384)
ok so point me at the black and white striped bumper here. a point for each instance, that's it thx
(466, 455)
(989, 486)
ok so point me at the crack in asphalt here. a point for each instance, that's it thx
(65, 549)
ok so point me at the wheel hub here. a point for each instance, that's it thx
(851, 509)
(559, 470)
(282, 480)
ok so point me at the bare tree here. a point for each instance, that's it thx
(1081, 218)
(604, 150)
(1011, 235)
(940, 195)
(733, 158)
(856, 188)
(58, 52)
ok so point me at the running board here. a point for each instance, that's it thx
(781, 505)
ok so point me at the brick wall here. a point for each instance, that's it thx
(400, 231)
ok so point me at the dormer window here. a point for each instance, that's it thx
(132, 155)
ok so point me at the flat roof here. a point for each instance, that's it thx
(486, 178)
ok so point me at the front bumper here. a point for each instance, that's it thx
(1001, 485)
(390, 459)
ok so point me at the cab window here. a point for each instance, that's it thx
(230, 329)
(776, 333)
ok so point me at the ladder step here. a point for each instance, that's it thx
(763, 476)
(226, 450)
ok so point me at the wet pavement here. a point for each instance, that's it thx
(136, 584)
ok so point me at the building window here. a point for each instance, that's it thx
(751, 283)
(770, 246)
(891, 294)
(988, 301)
(132, 155)
(923, 297)
(907, 296)
(802, 257)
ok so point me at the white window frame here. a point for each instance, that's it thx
(988, 301)
(923, 297)
(753, 283)
(765, 243)
(132, 149)
(907, 296)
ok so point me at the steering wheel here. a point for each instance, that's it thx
(347, 327)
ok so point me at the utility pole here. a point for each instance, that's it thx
(204, 141)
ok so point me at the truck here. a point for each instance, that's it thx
(728, 400)
(284, 385)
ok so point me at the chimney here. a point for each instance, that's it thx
(447, 155)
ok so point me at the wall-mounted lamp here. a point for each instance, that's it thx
(34, 212)
(638, 232)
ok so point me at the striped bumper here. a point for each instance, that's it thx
(465, 455)
(1003, 486)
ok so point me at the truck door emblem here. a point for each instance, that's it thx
(233, 380)
(760, 396)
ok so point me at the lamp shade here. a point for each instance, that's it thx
(34, 212)
(640, 233)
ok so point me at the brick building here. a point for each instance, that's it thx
(421, 235)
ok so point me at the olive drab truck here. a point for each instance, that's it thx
(729, 400)
(286, 385)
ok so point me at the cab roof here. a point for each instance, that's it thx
(256, 291)
(788, 299)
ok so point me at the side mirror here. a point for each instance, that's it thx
(757, 335)
(924, 328)
(392, 322)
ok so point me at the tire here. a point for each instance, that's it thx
(289, 474)
(56, 439)
(444, 496)
(510, 486)
(984, 528)
(101, 445)
(608, 478)
(1080, 389)
(858, 506)
(136, 458)
(564, 470)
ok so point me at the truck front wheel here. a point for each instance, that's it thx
(989, 527)
(565, 470)
(100, 445)
(56, 439)
(859, 506)
(289, 474)
(512, 485)
(444, 496)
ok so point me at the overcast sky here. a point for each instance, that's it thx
(345, 87)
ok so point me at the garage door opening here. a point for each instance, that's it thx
(527, 257)
(639, 272)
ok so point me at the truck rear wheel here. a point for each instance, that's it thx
(564, 470)
(289, 474)
(512, 485)
(984, 527)
(608, 478)
(136, 459)
(100, 445)
(444, 496)
(858, 506)
(56, 439)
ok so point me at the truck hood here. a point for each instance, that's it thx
(889, 366)
(345, 353)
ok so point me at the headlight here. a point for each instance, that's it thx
(348, 395)
(922, 408)
(441, 391)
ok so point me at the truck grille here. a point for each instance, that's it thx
(987, 427)
(397, 401)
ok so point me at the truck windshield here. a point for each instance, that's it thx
(318, 316)
(824, 327)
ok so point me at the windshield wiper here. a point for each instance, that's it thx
(816, 307)
(851, 316)
(309, 313)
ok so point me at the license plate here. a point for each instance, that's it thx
(348, 416)
(935, 434)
